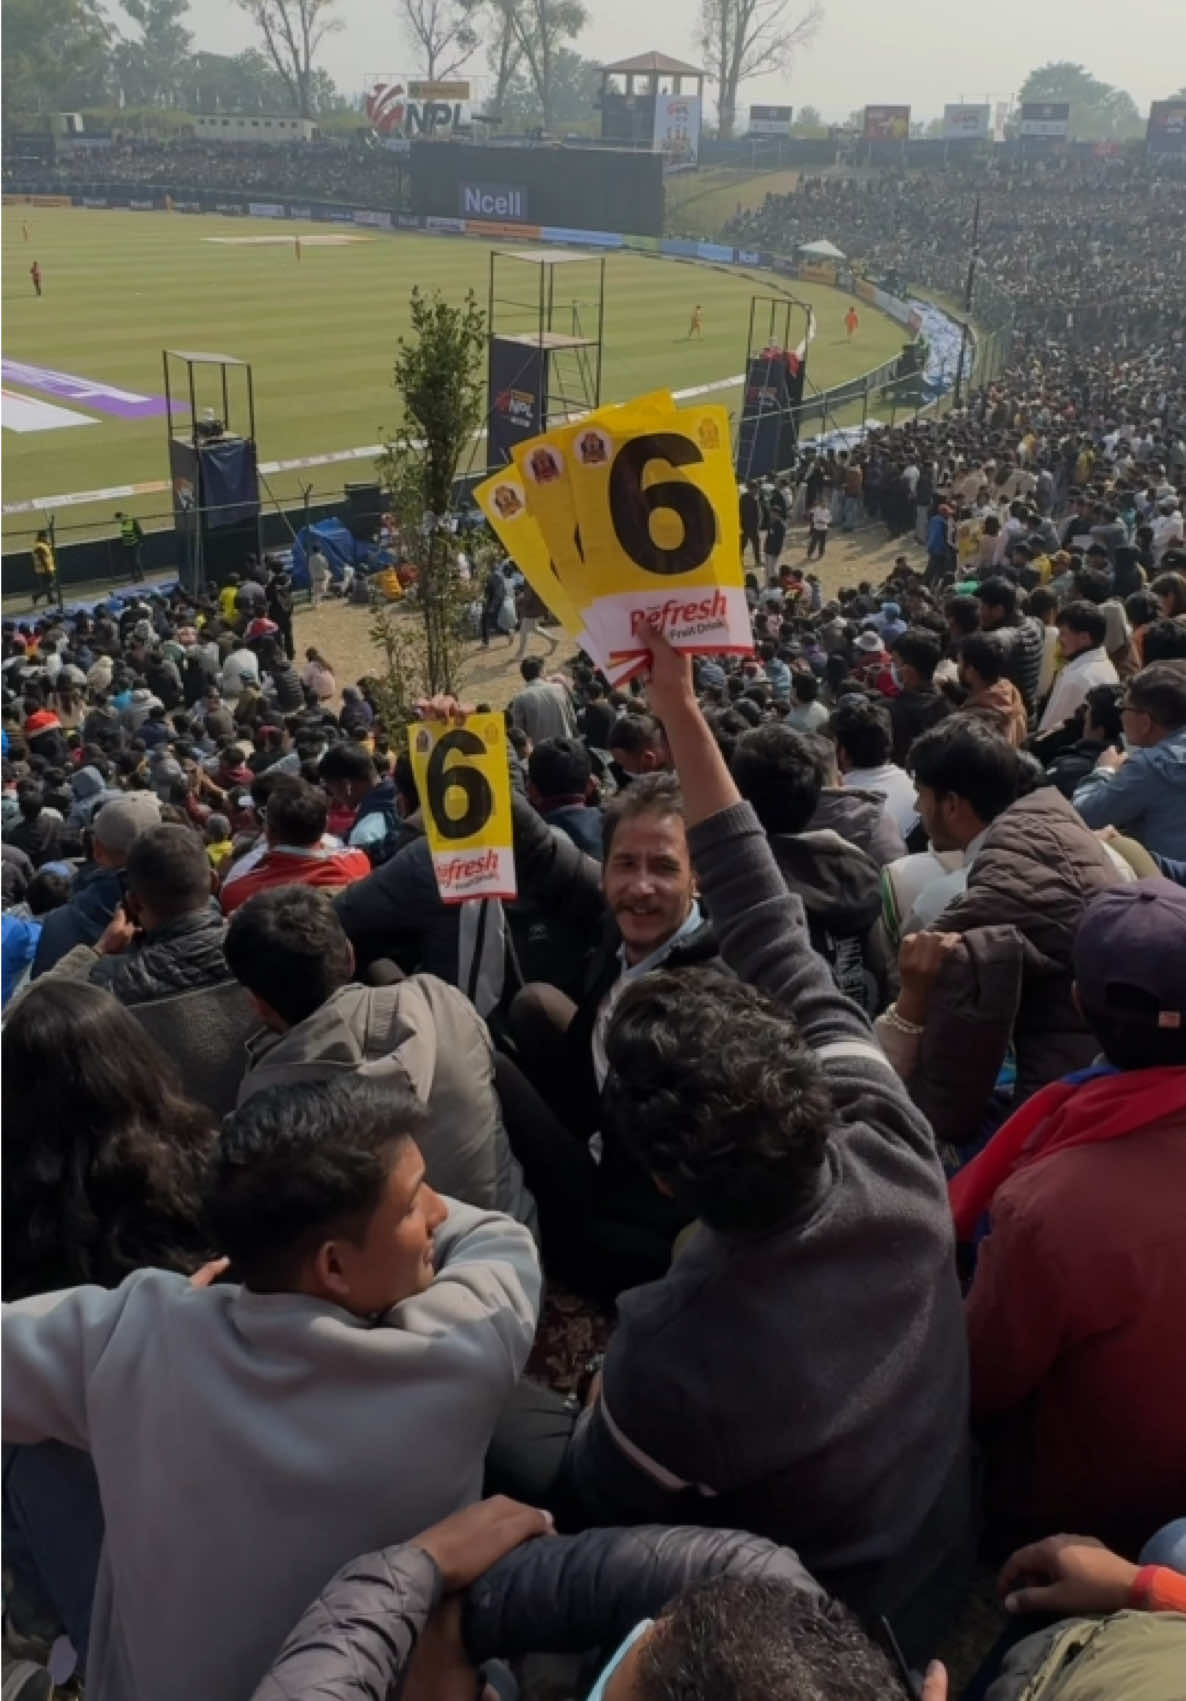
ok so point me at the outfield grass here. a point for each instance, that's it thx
(320, 334)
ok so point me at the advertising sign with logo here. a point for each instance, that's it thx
(770, 120)
(266, 209)
(1167, 127)
(376, 220)
(506, 203)
(518, 380)
(464, 781)
(887, 123)
(677, 128)
(402, 107)
(966, 123)
(1050, 118)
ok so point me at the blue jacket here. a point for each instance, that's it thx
(1146, 798)
(81, 921)
(937, 535)
(581, 824)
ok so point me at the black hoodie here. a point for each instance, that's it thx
(841, 891)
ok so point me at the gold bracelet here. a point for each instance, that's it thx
(892, 1020)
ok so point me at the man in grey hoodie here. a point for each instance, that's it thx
(250, 1437)
(290, 951)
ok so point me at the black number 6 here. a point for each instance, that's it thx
(631, 506)
(479, 799)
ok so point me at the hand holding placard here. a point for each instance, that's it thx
(460, 766)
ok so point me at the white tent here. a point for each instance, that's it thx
(821, 250)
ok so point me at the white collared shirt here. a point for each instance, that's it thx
(631, 972)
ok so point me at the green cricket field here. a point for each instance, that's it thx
(82, 361)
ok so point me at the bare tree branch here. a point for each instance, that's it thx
(741, 39)
(292, 31)
(443, 31)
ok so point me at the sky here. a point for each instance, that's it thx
(866, 52)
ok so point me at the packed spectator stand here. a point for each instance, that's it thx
(830, 1065)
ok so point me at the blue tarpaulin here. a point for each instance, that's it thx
(336, 543)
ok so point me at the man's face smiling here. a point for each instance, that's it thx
(648, 881)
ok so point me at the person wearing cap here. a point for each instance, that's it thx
(100, 886)
(1075, 1313)
(1142, 789)
(872, 666)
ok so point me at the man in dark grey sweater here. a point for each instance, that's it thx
(801, 1371)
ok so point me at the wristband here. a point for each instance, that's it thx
(1158, 1588)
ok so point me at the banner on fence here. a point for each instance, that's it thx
(677, 128)
(1048, 118)
(770, 120)
(1166, 133)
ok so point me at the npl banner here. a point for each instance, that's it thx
(887, 123)
(1167, 127)
(677, 128)
(770, 120)
(518, 388)
(1049, 118)
(966, 123)
(402, 107)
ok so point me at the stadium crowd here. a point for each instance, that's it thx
(830, 1065)
(346, 170)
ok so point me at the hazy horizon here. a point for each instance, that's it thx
(863, 53)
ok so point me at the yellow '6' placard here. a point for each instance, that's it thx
(465, 793)
(657, 507)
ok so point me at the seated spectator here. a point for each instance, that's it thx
(357, 1290)
(288, 948)
(916, 654)
(106, 1160)
(1030, 868)
(543, 709)
(1081, 631)
(166, 936)
(637, 745)
(1164, 640)
(1079, 1397)
(38, 831)
(990, 695)
(872, 666)
(709, 1613)
(1101, 728)
(354, 781)
(806, 713)
(559, 780)
(1142, 789)
(747, 1103)
(98, 890)
(776, 772)
(1043, 605)
(294, 826)
(858, 816)
(862, 736)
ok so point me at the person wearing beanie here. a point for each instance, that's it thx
(1079, 1397)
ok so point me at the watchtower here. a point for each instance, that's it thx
(653, 101)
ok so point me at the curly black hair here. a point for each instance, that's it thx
(712, 1089)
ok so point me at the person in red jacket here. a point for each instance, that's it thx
(1075, 1313)
(296, 856)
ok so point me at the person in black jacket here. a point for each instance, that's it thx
(166, 936)
(730, 1609)
(918, 705)
(1100, 728)
(604, 1225)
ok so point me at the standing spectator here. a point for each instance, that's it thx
(817, 534)
(750, 509)
(543, 708)
(317, 676)
(45, 570)
(806, 713)
(131, 541)
(319, 574)
(918, 705)
(861, 734)
(940, 542)
(531, 612)
(1081, 631)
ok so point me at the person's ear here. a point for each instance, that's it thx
(329, 1270)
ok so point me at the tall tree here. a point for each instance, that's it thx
(438, 377)
(741, 39)
(292, 31)
(243, 82)
(541, 28)
(55, 55)
(806, 121)
(503, 55)
(1099, 112)
(575, 84)
(150, 71)
(443, 32)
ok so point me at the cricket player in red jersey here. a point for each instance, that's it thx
(35, 274)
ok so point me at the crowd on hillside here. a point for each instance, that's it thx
(1088, 253)
(829, 1067)
(345, 170)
